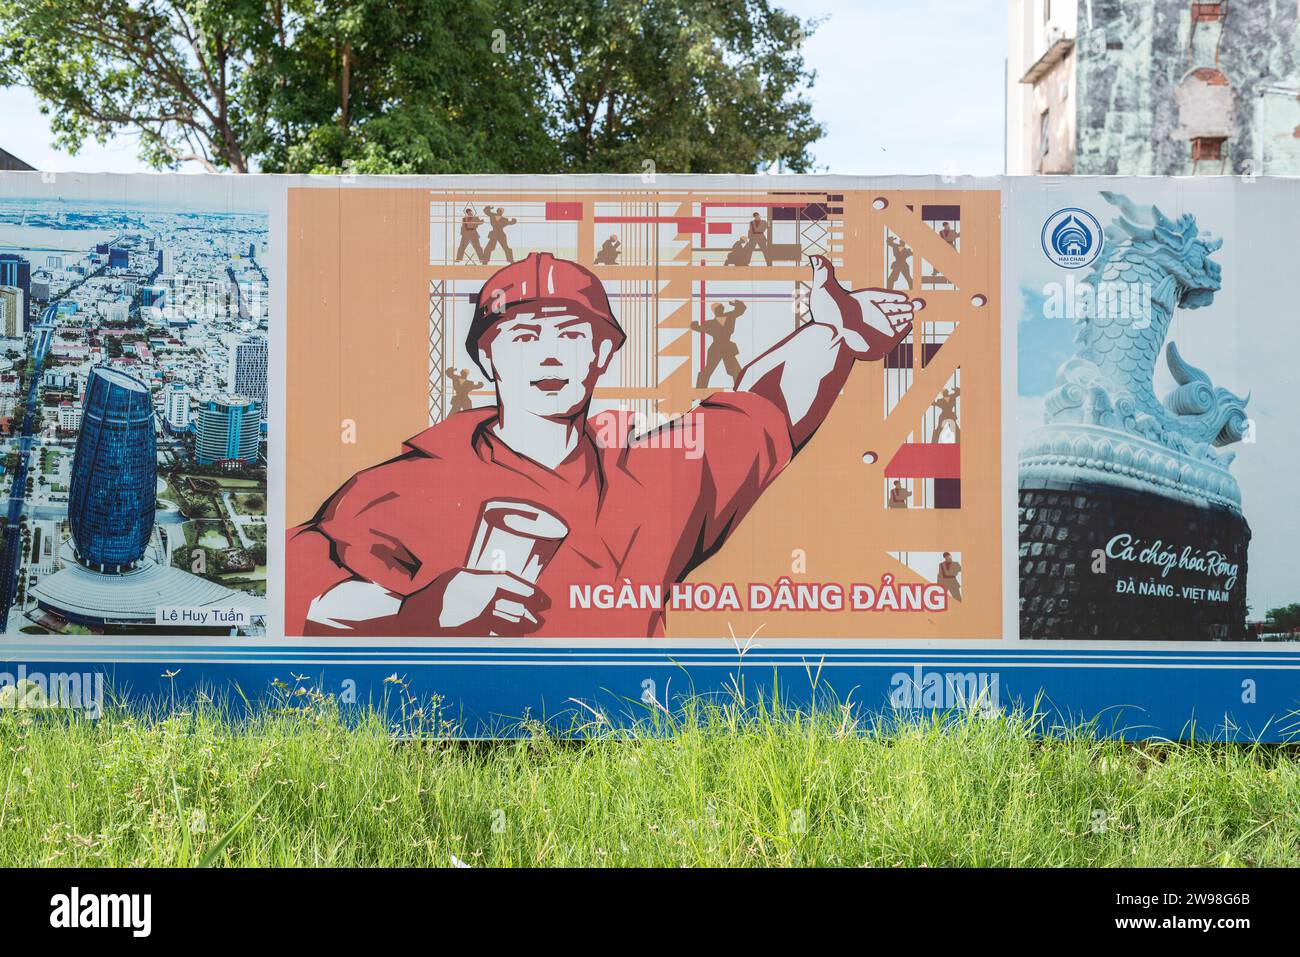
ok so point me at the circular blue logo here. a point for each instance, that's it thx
(1072, 238)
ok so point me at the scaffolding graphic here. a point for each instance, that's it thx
(668, 257)
(439, 398)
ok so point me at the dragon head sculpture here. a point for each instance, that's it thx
(1174, 246)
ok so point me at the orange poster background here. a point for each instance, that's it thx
(360, 336)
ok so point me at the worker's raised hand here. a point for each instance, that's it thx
(482, 603)
(871, 321)
(885, 319)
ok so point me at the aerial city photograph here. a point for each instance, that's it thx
(133, 419)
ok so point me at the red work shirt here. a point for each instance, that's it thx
(645, 512)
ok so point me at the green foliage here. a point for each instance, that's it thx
(300, 785)
(689, 86)
(1286, 618)
(425, 93)
(421, 86)
(178, 74)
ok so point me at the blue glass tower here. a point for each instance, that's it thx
(114, 472)
(228, 431)
(16, 271)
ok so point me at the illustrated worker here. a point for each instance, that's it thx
(948, 572)
(405, 547)
(469, 224)
(758, 239)
(949, 235)
(461, 387)
(899, 268)
(497, 223)
(609, 250)
(739, 254)
(721, 348)
(898, 495)
(947, 406)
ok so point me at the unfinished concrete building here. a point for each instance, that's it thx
(1157, 87)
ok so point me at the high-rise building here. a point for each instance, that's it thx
(60, 379)
(248, 359)
(69, 417)
(16, 271)
(13, 310)
(176, 407)
(1161, 87)
(228, 430)
(114, 472)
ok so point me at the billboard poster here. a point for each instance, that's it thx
(556, 446)
(134, 410)
(1157, 437)
(639, 413)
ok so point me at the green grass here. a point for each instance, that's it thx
(730, 786)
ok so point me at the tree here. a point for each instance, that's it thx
(420, 86)
(179, 73)
(280, 85)
(409, 86)
(1286, 618)
(671, 85)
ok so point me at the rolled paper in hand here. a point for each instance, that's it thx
(515, 537)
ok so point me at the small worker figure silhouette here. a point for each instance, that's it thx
(739, 254)
(497, 233)
(899, 267)
(947, 406)
(721, 349)
(948, 572)
(758, 238)
(898, 495)
(469, 224)
(609, 252)
(949, 235)
(461, 387)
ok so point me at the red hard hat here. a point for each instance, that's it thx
(537, 281)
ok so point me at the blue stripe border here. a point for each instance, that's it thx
(1218, 693)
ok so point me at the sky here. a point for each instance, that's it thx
(903, 87)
